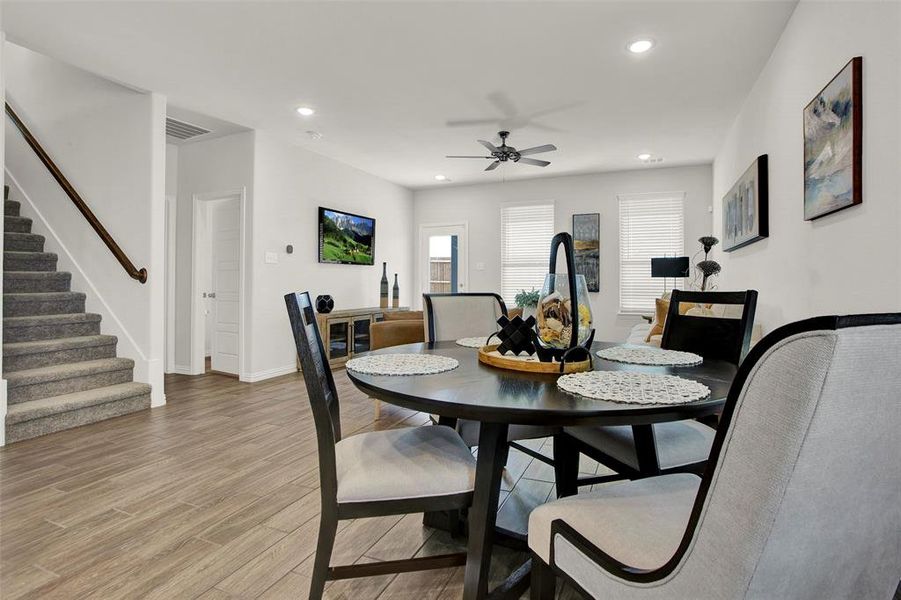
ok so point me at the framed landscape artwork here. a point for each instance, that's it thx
(746, 207)
(587, 250)
(833, 132)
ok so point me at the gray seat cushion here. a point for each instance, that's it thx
(415, 462)
(639, 523)
(678, 443)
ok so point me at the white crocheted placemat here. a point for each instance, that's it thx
(638, 355)
(402, 364)
(633, 388)
(473, 342)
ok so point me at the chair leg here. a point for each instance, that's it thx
(544, 583)
(328, 529)
(566, 465)
(378, 409)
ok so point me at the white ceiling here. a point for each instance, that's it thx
(386, 78)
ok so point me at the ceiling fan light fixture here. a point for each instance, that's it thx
(640, 46)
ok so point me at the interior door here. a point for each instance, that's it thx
(442, 258)
(225, 232)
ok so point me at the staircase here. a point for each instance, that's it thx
(61, 372)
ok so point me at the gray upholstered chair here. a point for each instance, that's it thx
(679, 446)
(398, 471)
(450, 317)
(801, 497)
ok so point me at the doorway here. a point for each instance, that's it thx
(217, 331)
(442, 258)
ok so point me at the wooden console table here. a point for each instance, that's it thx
(346, 332)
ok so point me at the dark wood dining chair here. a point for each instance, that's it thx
(799, 498)
(392, 472)
(636, 451)
(449, 317)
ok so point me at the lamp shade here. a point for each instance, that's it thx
(670, 266)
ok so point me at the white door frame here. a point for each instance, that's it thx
(197, 317)
(171, 237)
(462, 248)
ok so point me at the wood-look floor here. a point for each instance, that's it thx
(214, 496)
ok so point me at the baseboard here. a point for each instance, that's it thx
(269, 373)
(181, 370)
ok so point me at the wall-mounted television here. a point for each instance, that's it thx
(345, 238)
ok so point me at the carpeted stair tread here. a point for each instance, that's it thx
(48, 327)
(66, 371)
(35, 282)
(16, 224)
(58, 405)
(11, 208)
(42, 303)
(23, 242)
(29, 261)
(41, 346)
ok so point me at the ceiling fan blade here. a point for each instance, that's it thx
(532, 161)
(491, 147)
(493, 165)
(488, 157)
(537, 149)
(469, 122)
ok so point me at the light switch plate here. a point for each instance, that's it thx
(271, 258)
(480, 266)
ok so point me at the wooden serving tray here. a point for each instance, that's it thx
(489, 356)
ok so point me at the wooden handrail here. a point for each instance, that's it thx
(133, 272)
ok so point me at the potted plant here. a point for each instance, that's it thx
(528, 302)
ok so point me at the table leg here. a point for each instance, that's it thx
(646, 450)
(483, 514)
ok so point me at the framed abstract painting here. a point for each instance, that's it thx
(587, 250)
(833, 136)
(746, 207)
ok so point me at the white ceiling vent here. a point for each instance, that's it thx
(183, 131)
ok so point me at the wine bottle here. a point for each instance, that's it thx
(395, 294)
(383, 299)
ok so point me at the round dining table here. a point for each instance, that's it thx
(498, 398)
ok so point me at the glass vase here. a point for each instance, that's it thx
(554, 312)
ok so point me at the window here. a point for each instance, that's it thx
(526, 233)
(650, 225)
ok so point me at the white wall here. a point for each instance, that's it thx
(110, 142)
(171, 169)
(222, 164)
(2, 162)
(849, 261)
(290, 183)
(479, 205)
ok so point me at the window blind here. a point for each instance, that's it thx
(650, 225)
(526, 233)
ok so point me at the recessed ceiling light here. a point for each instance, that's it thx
(305, 111)
(640, 46)
(644, 156)
(440, 177)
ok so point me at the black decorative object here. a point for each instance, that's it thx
(324, 304)
(516, 335)
(670, 266)
(395, 294)
(574, 351)
(383, 291)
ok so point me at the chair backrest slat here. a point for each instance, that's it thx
(712, 337)
(453, 316)
(319, 382)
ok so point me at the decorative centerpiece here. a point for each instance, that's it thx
(562, 337)
(528, 302)
(564, 312)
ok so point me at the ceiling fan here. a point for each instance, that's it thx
(504, 153)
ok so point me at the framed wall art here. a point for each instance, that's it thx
(833, 148)
(587, 248)
(746, 207)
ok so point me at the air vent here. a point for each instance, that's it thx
(183, 131)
